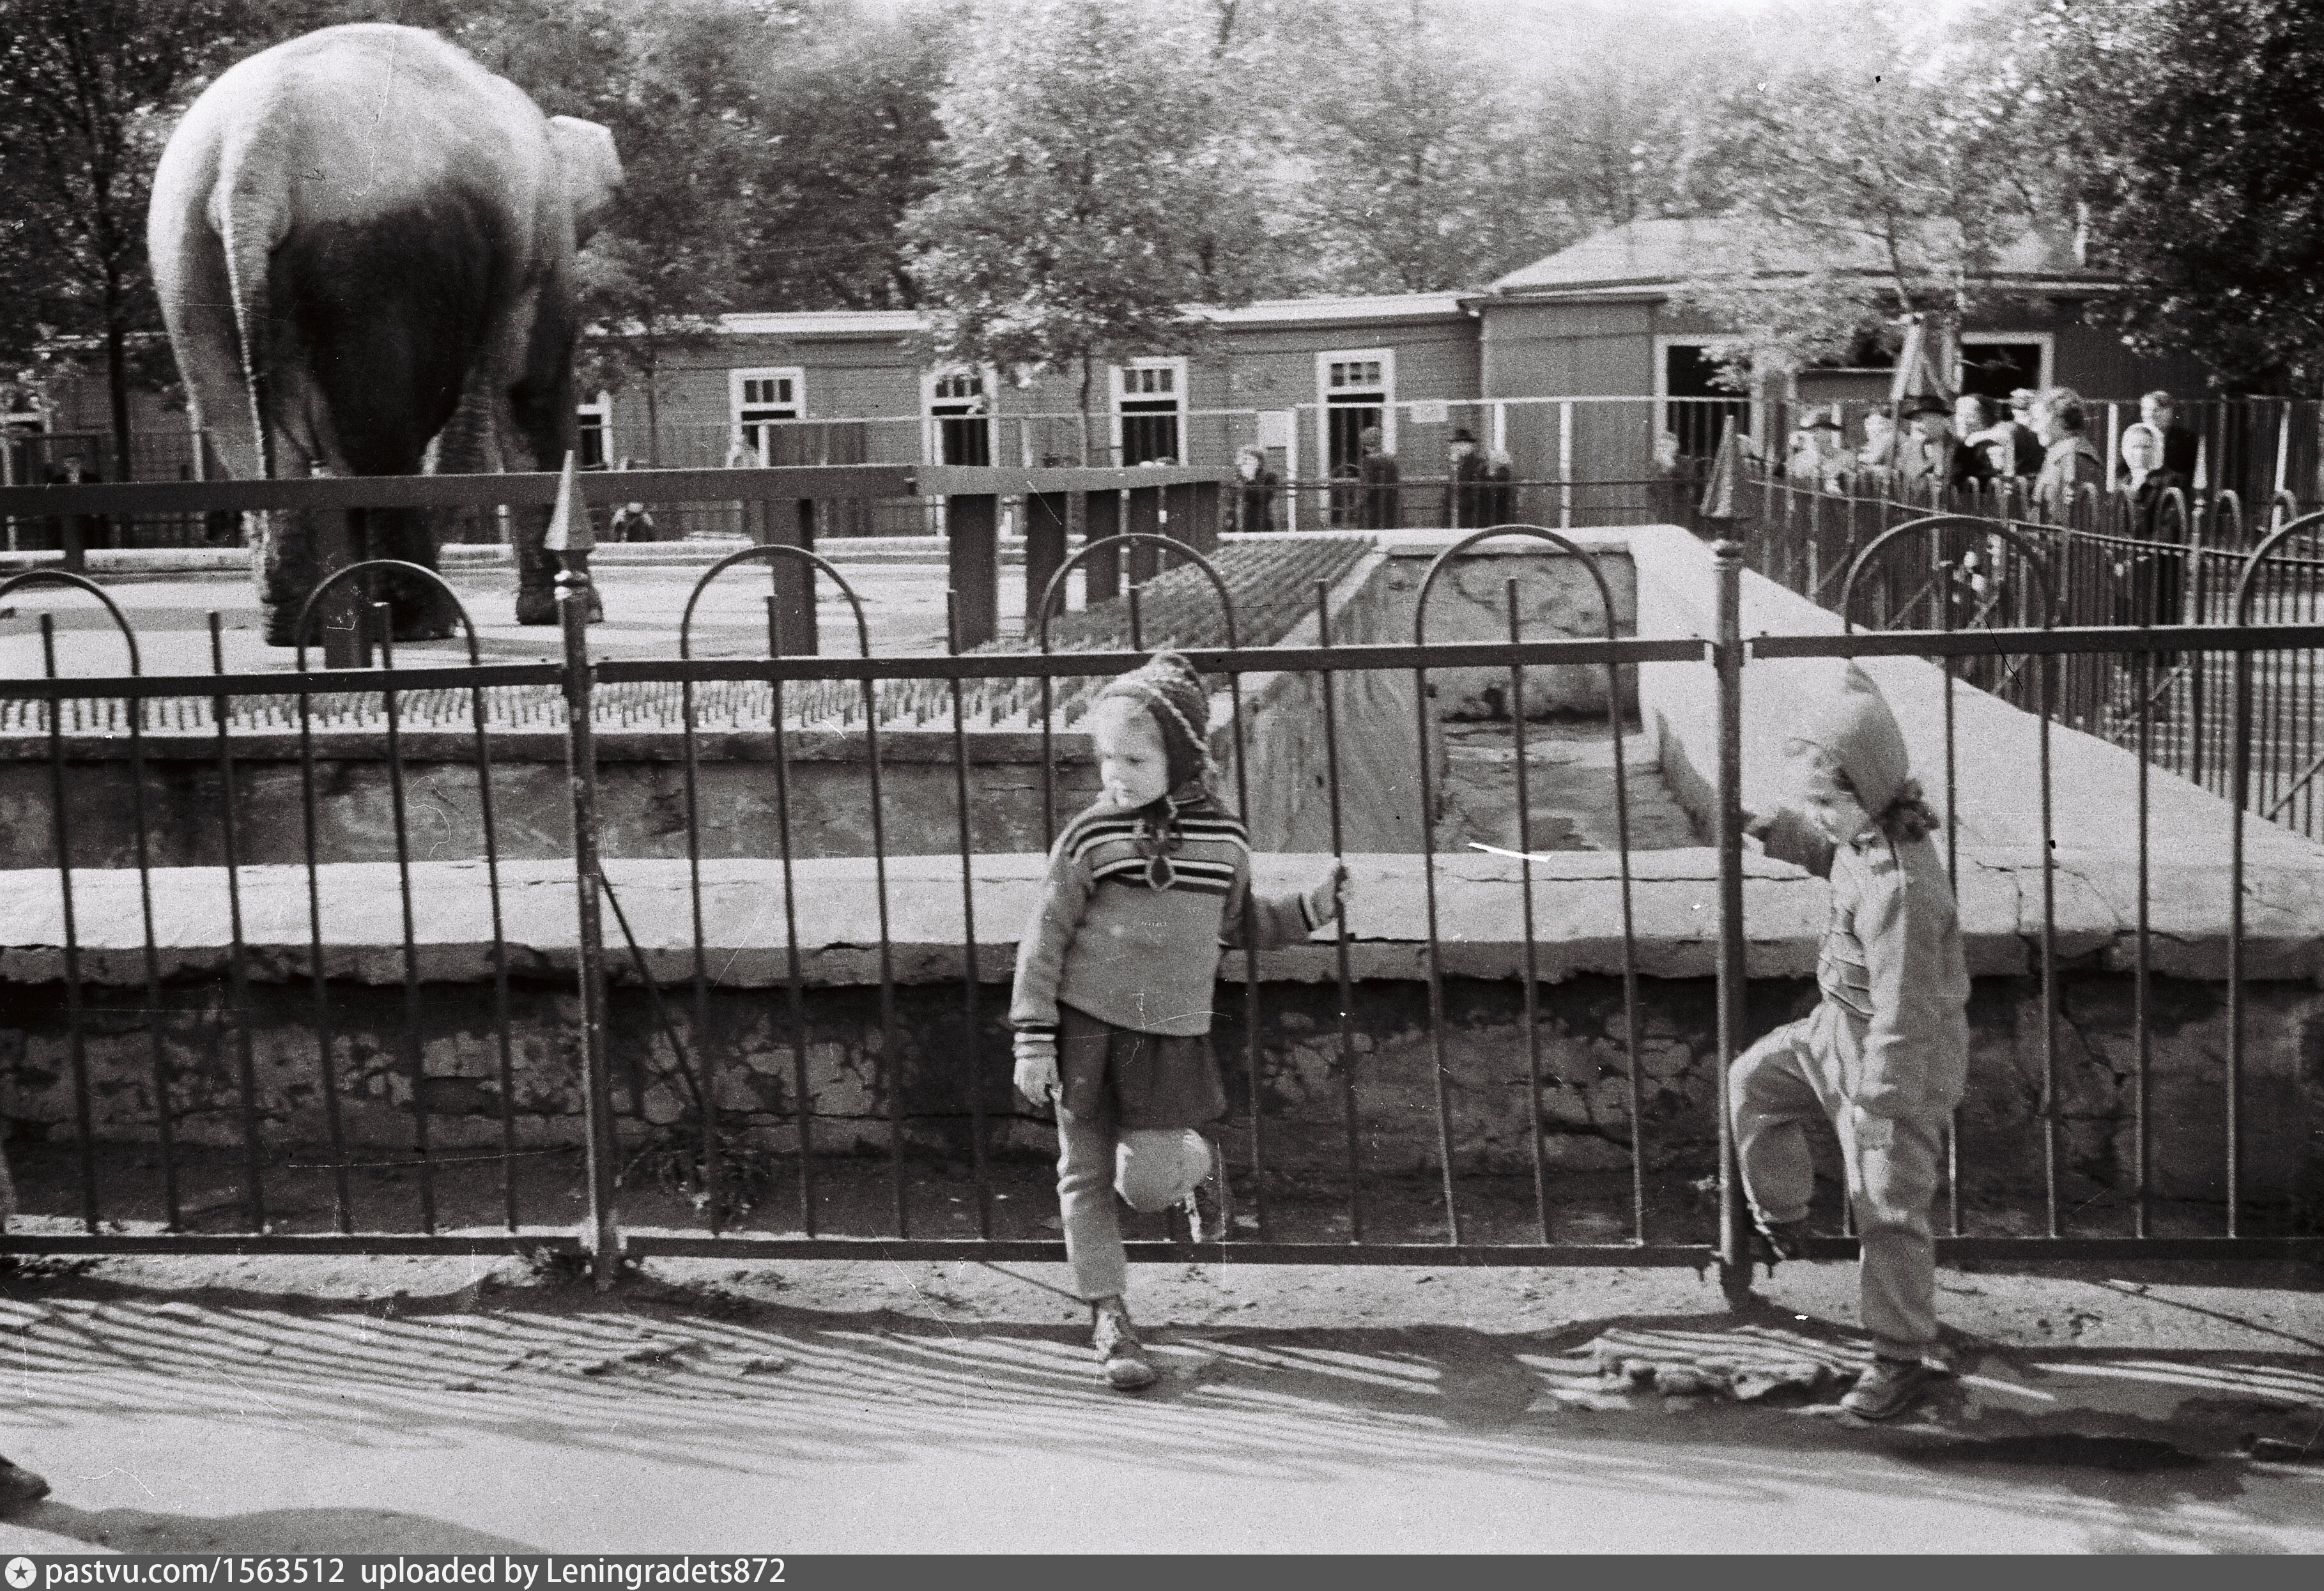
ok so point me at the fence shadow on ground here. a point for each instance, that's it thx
(751, 1388)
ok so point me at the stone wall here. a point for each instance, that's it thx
(853, 1065)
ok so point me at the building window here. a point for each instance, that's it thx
(1356, 390)
(595, 432)
(960, 417)
(759, 398)
(1996, 365)
(1149, 402)
(1694, 397)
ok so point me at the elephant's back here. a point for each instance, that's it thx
(367, 119)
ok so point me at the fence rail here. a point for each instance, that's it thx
(2175, 568)
(672, 1074)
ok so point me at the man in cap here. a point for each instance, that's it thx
(1376, 474)
(2025, 450)
(1821, 463)
(1939, 455)
(1465, 483)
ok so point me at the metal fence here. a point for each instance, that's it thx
(645, 1023)
(2178, 562)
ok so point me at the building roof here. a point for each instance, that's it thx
(1357, 306)
(824, 322)
(903, 323)
(1650, 255)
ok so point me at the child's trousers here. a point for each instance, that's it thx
(1783, 1082)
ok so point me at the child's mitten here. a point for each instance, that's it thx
(1324, 902)
(1037, 1064)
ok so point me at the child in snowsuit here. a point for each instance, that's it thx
(1885, 1054)
(1114, 980)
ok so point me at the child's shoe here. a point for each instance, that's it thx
(1208, 1219)
(1889, 1388)
(1120, 1354)
(19, 1487)
(1783, 1240)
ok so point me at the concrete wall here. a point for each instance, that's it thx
(1378, 730)
(1997, 748)
(1578, 959)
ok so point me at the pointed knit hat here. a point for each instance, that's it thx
(1851, 719)
(1169, 689)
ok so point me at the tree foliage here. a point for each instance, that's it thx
(2193, 129)
(847, 141)
(1089, 190)
(87, 89)
(1877, 174)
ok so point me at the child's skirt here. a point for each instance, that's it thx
(1132, 1080)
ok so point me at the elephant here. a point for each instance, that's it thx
(362, 242)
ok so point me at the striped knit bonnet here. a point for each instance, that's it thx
(1172, 694)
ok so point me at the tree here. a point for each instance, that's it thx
(1085, 173)
(2191, 128)
(1880, 177)
(847, 141)
(1412, 179)
(680, 86)
(88, 89)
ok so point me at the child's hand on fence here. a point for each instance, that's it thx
(1329, 898)
(1036, 1067)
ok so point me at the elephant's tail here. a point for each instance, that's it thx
(248, 218)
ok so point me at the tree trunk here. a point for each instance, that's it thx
(653, 409)
(116, 378)
(1085, 410)
(116, 382)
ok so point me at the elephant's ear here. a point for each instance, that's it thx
(591, 167)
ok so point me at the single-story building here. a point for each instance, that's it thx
(1573, 364)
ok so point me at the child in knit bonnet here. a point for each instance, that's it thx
(1885, 1054)
(1115, 974)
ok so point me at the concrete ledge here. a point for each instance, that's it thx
(2094, 785)
(1576, 899)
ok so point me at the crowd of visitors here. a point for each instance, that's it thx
(2037, 441)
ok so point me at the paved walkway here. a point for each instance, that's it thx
(856, 1407)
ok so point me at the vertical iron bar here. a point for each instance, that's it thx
(415, 1053)
(1947, 576)
(238, 955)
(165, 1126)
(505, 1043)
(969, 1001)
(1350, 1110)
(803, 1100)
(890, 1057)
(581, 770)
(1734, 1252)
(76, 1032)
(342, 1202)
(701, 971)
(2240, 773)
(1532, 968)
(1442, 1063)
(1632, 1023)
(2043, 682)
(2143, 1139)
(1250, 1053)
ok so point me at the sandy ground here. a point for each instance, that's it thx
(264, 1405)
